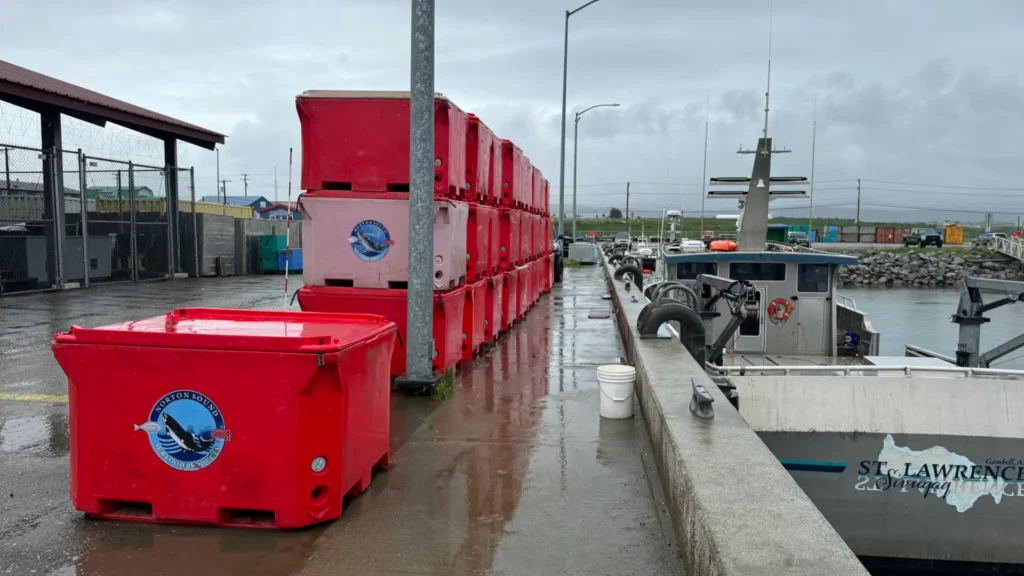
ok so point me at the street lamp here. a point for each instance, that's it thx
(565, 76)
(575, 146)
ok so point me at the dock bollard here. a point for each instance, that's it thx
(700, 403)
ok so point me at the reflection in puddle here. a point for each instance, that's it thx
(36, 435)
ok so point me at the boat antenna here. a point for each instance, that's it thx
(771, 10)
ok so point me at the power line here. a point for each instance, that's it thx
(959, 187)
(938, 192)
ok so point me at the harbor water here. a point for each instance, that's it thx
(922, 317)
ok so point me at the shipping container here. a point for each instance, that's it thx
(849, 237)
(883, 235)
(954, 234)
(866, 237)
(778, 233)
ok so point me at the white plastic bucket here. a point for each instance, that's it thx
(616, 384)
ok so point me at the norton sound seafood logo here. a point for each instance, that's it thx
(186, 430)
(370, 240)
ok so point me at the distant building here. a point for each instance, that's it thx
(254, 202)
(277, 211)
(19, 188)
(94, 192)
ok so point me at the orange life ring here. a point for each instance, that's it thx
(780, 310)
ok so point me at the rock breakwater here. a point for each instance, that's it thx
(927, 268)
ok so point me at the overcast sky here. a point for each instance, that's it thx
(917, 91)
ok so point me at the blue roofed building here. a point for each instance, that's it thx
(278, 211)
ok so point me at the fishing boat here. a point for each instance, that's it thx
(916, 458)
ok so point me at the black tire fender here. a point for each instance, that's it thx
(691, 334)
(614, 258)
(641, 318)
(650, 291)
(672, 285)
(634, 271)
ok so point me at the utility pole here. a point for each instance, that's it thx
(275, 186)
(858, 201)
(224, 190)
(704, 175)
(814, 138)
(218, 174)
(245, 180)
(628, 219)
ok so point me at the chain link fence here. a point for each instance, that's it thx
(151, 213)
(90, 220)
(187, 250)
(28, 231)
(75, 208)
(109, 222)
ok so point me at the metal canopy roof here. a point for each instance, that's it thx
(34, 91)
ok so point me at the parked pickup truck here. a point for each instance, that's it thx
(622, 240)
(923, 237)
(798, 238)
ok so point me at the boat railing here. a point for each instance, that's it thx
(864, 370)
(918, 352)
(846, 301)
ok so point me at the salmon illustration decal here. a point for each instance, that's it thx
(186, 430)
(370, 241)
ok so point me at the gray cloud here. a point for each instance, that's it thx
(914, 91)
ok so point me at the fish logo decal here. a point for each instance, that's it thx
(370, 241)
(186, 430)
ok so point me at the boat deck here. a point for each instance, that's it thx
(755, 359)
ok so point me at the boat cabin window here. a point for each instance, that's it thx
(753, 271)
(812, 278)
(690, 270)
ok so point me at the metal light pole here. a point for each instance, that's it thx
(565, 76)
(575, 146)
(419, 351)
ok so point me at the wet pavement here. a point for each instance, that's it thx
(516, 473)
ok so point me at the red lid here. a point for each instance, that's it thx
(227, 329)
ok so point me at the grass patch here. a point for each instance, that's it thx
(570, 263)
(445, 386)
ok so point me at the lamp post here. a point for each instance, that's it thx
(575, 146)
(565, 76)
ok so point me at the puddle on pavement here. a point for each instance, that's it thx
(118, 549)
(39, 435)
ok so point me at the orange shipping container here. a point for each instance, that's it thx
(883, 235)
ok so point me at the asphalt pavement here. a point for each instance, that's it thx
(516, 473)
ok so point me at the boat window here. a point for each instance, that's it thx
(752, 271)
(690, 270)
(812, 278)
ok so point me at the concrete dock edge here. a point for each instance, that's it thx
(735, 509)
